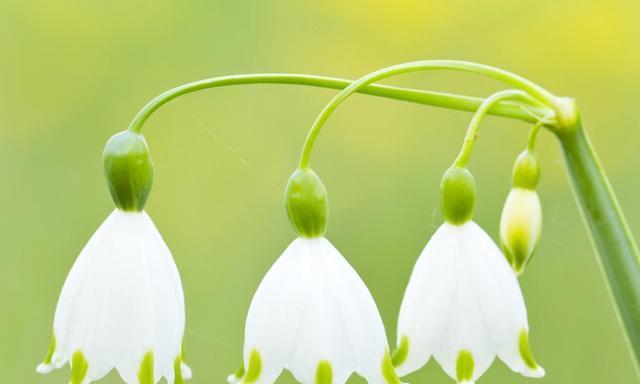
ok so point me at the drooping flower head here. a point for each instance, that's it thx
(122, 304)
(521, 220)
(312, 314)
(463, 304)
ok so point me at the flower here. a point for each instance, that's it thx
(312, 314)
(521, 220)
(463, 304)
(121, 306)
(520, 226)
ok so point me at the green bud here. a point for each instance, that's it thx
(307, 203)
(457, 195)
(526, 171)
(128, 169)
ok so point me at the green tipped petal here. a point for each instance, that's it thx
(464, 366)
(324, 373)
(50, 351)
(177, 371)
(79, 368)
(400, 355)
(255, 367)
(388, 371)
(240, 372)
(525, 350)
(145, 374)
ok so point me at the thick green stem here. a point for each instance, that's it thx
(437, 99)
(616, 249)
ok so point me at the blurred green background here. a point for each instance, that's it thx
(72, 73)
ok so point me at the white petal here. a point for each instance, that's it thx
(310, 308)
(462, 296)
(122, 299)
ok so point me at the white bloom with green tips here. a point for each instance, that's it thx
(121, 307)
(464, 307)
(313, 315)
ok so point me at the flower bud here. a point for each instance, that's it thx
(128, 169)
(307, 204)
(457, 195)
(521, 220)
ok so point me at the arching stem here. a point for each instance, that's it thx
(538, 93)
(474, 125)
(437, 99)
(533, 135)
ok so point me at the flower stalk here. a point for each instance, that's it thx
(608, 229)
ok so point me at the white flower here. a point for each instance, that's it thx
(520, 226)
(121, 306)
(313, 315)
(463, 305)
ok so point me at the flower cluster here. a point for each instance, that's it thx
(122, 304)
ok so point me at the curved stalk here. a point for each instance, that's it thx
(540, 94)
(617, 252)
(437, 99)
(474, 125)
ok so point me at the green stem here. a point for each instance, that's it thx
(539, 93)
(616, 249)
(437, 99)
(533, 135)
(472, 132)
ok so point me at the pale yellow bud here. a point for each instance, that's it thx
(520, 227)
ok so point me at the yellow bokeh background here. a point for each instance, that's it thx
(72, 73)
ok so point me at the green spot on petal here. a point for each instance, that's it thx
(525, 350)
(177, 370)
(145, 374)
(400, 354)
(464, 366)
(254, 369)
(240, 372)
(50, 351)
(79, 368)
(388, 371)
(324, 373)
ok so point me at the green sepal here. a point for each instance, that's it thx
(128, 169)
(145, 374)
(324, 373)
(458, 195)
(464, 366)
(307, 203)
(526, 171)
(79, 368)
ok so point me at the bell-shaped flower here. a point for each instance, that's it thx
(521, 220)
(463, 304)
(122, 304)
(312, 314)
